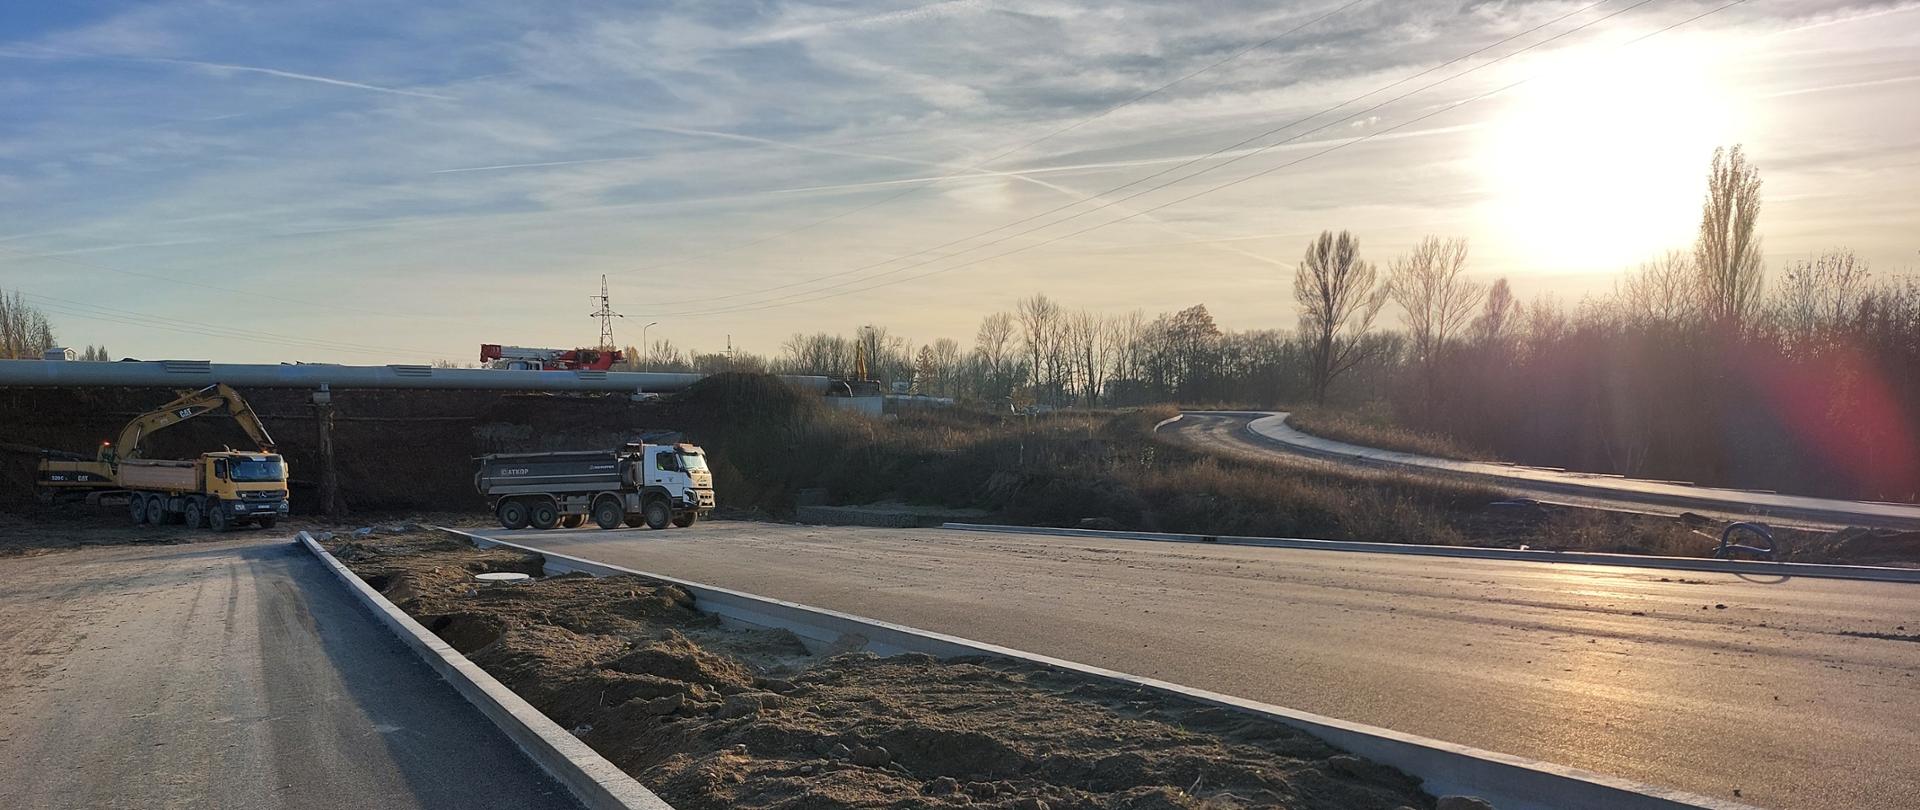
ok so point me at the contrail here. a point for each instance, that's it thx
(1844, 86)
(45, 52)
(286, 74)
(808, 30)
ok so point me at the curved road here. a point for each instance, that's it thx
(1266, 433)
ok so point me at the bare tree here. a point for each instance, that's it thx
(1494, 325)
(24, 330)
(1124, 336)
(1041, 323)
(1662, 291)
(1338, 303)
(1430, 284)
(818, 353)
(1727, 254)
(1818, 295)
(946, 366)
(1090, 354)
(994, 340)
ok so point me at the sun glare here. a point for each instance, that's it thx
(1599, 163)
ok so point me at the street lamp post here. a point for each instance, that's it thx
(645, 350)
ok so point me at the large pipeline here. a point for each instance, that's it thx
(200, 373)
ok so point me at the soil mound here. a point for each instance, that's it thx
(715, 717)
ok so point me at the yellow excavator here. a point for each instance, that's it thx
(221, 489)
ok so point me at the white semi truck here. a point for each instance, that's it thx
(655, 485)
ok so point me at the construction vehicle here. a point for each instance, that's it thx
(520, 358)
(221, 489)
(656, 485)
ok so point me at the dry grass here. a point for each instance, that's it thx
(1061, 468)
(1373, 427)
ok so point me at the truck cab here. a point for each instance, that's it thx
(248, 486)
(679, 469)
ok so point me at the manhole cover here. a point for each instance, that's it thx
(502, 576)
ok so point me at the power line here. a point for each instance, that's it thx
(974, 167)
(800, 297)
(1228, 184)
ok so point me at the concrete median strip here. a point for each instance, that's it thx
(1509, 782)
(1749, 567)
(595, 782)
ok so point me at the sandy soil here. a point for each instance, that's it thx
(711, 717)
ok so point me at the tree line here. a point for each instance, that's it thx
(26, 334)
(1691, 367)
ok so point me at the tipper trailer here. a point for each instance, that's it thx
(639, 484)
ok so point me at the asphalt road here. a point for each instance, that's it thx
(1711, 683)
(231, 674)
(1266, 434)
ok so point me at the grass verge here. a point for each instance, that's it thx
(1374, 427)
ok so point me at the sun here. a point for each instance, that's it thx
(1599, 163)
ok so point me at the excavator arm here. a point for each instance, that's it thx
(187, 406)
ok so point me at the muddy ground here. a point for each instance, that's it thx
(713, 717)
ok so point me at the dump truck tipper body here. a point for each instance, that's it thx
(653, 484)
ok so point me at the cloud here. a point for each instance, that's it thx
(764, 142)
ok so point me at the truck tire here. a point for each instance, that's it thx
(196, 514)
(609, 513)
(137, 508)
(512, 513)
(543, 515)
(657, 514)
(217, 519)
(156, 510)
(572, 521)
(636, 520)
(685, 519)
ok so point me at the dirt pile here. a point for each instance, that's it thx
(713, 717)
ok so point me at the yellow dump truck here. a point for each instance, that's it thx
(221, 489)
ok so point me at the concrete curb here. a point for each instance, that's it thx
(1752, 567)
(1271, 427)
(1509, 782)
(597, 783)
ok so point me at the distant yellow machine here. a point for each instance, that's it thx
(220, 489)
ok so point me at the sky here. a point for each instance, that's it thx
(393, 182)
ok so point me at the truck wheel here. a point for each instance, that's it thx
(513, 514)
(137, 508)
(685, 519)
(609, 513)
(636, 520)
(573, 521)
(217, 519)
(543, 515)
(196, 515)
(156, 511)
(657, 514)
